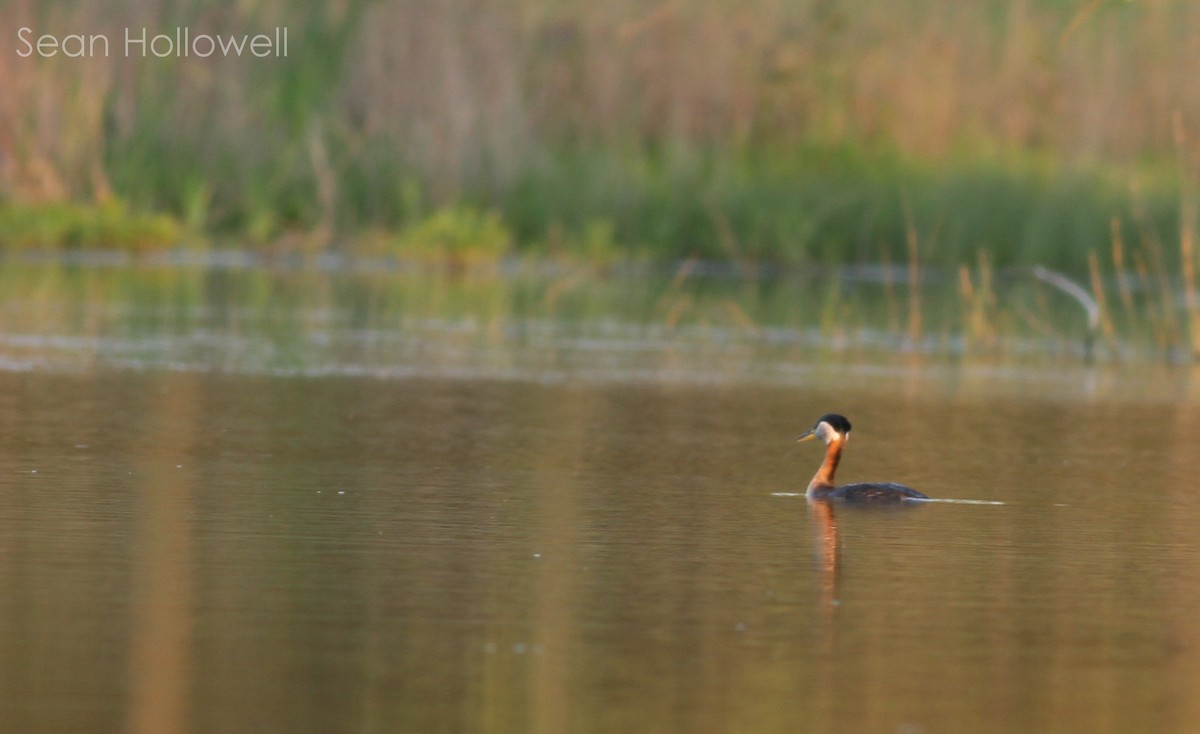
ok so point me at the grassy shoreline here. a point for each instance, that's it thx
(786, 208)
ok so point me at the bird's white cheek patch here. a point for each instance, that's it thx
(827, 433)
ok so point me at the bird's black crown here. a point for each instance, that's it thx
(836, 422)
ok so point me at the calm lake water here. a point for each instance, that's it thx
(291, 503)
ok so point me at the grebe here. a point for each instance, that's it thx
(834, 430)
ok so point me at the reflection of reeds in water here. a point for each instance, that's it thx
(504, 317)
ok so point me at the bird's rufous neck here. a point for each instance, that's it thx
(824, 476)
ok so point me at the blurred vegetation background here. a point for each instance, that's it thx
(793, 132)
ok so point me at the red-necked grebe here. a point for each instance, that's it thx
(834, 430)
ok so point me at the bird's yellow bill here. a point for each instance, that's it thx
(808, 436)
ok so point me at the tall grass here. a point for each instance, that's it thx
(52, 138)
(787, 131)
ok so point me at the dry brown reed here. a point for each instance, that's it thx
(913, 243)
(1123, 274)
(674, 303)
(52, 140)
(488, 81)
(1103, 317)
(1157, 311)
(979, 306)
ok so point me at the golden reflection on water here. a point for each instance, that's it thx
(826, 534)
(161, 659)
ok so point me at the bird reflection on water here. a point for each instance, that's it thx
(828, 542)
(825, 525)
